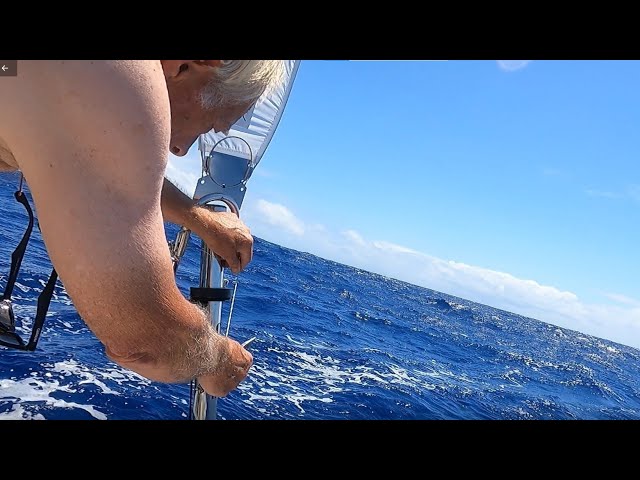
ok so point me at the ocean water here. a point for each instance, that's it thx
(333, 342)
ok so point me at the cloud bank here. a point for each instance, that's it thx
(619, 322)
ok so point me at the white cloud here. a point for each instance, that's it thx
(632, 193)
(512, 65)
(602, 193)
(620, 323)
(551, 172)
(392, 247)
(354, 237)
(617, 297)
(184, 172)
(280, 216)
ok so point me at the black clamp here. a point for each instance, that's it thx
(204, 294)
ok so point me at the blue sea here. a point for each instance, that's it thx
(333, 342)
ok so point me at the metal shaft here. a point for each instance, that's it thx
(211, 275)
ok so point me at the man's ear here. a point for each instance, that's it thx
(173, 68)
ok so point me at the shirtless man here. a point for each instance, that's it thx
(91, 138)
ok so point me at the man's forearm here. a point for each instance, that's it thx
(176, 206)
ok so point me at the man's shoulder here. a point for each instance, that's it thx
(100, 131)
(57, 83)
(82, 99)
(38, 69)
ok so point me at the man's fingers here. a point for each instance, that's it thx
(234, 263)
(234, 248)
(243, 254)
(231, 373)
(246, 252)
(245, 361)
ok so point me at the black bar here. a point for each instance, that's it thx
(201, 294)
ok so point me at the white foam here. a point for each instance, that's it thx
(34, 391)
(299, 398)
(68, 368)
(530, 362)
(606, 347)
(19, 413)
(90, 375)
(457, 306)
(294, 341)
(509, 376)
(23, 288)
(559, 333)
(307, 376)
(523, 413)
(31, 390)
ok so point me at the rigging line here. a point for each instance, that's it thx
(233, 299)
(191, 395)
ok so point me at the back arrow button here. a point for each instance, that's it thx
(8, 68)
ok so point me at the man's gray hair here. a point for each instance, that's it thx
(242, 81)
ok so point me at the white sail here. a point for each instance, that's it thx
(257, 126)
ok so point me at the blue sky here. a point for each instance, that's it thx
(512, 183)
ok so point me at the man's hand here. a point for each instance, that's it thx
(234, 367)
(226, 235)
(223, 232)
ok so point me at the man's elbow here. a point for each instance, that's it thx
(169, 345)
(152, 363)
